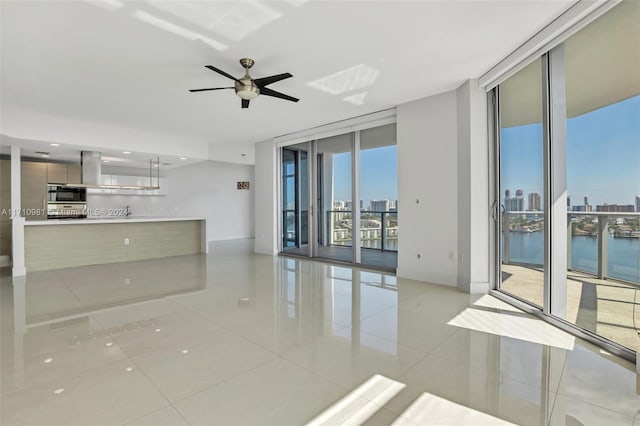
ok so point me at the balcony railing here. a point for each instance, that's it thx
(378, 229)
(605, 244)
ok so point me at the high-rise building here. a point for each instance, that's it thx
(338, 205)
(534, 201)
(638, 203)
(615, 208)
(379, 205)
(568, 203)
(510, 203)
(519, 203)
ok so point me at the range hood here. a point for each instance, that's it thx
(91, 164)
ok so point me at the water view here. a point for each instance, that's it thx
(623, 254)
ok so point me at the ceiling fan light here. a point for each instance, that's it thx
(252, 93)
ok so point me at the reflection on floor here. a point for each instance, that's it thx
(609, 308)
(238, 338)
(369, 257)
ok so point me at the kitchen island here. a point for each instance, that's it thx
(54, 244)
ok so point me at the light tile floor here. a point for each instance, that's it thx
(234, 338)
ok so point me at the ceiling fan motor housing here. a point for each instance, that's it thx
(247, 62)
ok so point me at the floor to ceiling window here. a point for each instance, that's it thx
(295, 199)
(602, 74)
(335, 218)
(569, 164)
(352, 180)
(522, 185)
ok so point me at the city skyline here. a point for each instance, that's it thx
(603, 155)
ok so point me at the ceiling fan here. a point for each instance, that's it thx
(248, 88)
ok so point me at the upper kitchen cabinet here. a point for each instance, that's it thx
(63, 173)
(56, 173)
(73, 173)
(33, 178)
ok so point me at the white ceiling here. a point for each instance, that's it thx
(101, 63)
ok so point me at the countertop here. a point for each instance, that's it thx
(102, 220)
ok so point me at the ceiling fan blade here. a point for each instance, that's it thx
(219, 71)
(245, 103)
(268, 92)
(213, 88)
(261, 82)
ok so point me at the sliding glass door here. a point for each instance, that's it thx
(334, 172)
(335, 217)
(568, 149)
(378, 192)
(295, 199)
(522, 185)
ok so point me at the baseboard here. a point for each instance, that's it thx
(479, 288)
(18, 272)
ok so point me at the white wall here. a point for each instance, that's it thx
(443, 161)
(266, 205)
(427, 171)
(207, 189)
(473, 189)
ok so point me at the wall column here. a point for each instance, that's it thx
(17, 221)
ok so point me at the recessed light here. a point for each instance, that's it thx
(185, 351)
(183, 158)
(54, 144)
(58, 391)
(126, 152)
(109, 344)
(48, 360)
(129, 369)
(106, 161)
(44, 155)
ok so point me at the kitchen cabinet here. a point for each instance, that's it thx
(56, 173)
(63, 173)
(74, 173)
(33, 178)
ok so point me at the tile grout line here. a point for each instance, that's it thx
(130, 359)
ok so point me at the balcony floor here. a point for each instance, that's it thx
(370, 257)
(606, 307)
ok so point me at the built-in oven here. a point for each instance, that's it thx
(66, 203)
(66, 210)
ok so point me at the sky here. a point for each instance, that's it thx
(603, 160)
(603, 155)
(378, 175)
